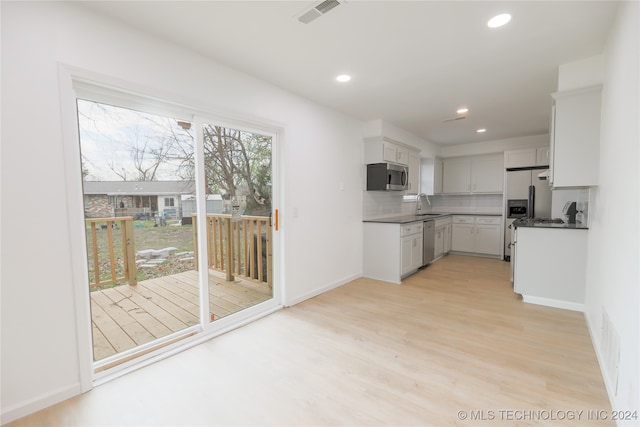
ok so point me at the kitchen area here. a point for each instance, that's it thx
(528, 206)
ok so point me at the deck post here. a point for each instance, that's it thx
(229, 263)
(129, 251)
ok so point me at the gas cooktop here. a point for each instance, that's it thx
(547, 221)
(530, 221)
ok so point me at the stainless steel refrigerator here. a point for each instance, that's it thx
(525, 189)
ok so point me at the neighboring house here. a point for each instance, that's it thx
(140, 199)
(215, 205)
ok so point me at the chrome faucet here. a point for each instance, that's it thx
(419, 203)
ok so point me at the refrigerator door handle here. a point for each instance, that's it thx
(531, 201)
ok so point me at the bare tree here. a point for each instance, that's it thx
(235, 159)
(133, 145)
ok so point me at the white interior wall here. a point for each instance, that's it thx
(321, 208)
(381, 127)
(495, 146)
(614, 223)
(559, 197)
(582, 73)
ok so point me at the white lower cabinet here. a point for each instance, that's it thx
(550, 266)
(392, 251)
(447, 238)
(439, 242)
(410, 254)
(442, 243)
(480, 235)
(462, 237)
(488, 235)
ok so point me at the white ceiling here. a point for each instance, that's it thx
(413, 63)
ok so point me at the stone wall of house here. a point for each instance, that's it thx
(98, 207)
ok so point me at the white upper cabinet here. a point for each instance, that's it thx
(520, 158)
(430, 175)
(478, 174)
(575, 138)
(402, 155)
(527, 157)
(413, 187)
(389, 152)
(437, 176)
(487, 174)
(382, 149)
(542, 156)
(456, 175)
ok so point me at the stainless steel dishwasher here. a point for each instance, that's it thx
(428, 238)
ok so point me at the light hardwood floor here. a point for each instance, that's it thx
(453, 337)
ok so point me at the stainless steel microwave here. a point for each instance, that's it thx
(386, 177)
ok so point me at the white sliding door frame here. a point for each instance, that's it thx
(76, 83)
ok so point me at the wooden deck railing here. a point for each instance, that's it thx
(116, 273)
(242, 248)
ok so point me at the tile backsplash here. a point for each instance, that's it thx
(559, 197)
(379, 204)
(463, 203)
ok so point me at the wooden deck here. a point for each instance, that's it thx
(127, 316)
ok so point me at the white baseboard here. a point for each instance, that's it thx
(595, 340)
(574, 306)
(321, 290)
(27, 407)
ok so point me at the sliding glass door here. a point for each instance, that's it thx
(178, 224)
(137, 173)
(238, 183)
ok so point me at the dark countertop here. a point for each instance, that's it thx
(530, 223)
(477, 214)
(404, 219)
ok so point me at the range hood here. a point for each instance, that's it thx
(544, 175)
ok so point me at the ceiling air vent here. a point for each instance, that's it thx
(318, 11)
(453, 119)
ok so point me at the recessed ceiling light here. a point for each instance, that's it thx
(342, 78)
(499, 20)
(481, 130)
(462, 110)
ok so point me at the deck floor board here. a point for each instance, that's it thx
(125, 316)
